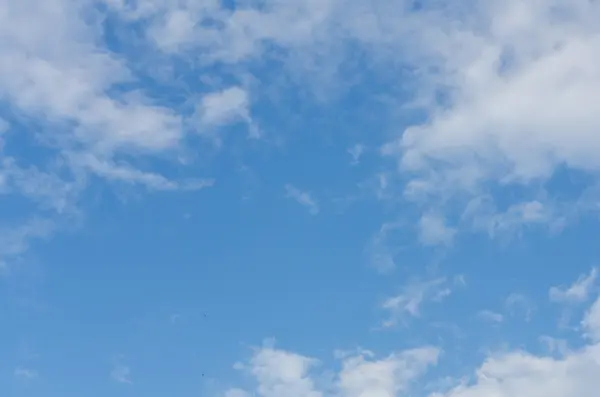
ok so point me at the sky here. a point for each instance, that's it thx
(299, 198)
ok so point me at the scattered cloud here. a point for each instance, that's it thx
(496, 64)
(363, 375)
(491, 316)
(414, 295)
(381, 251)
(481, 214)
(356, 153)
(303, 198)
(591, 322)
(15, 240)
(566, 372)
(509, 91)
(125, 173)
(524, 374)
(578, 292)
(226, 106)
(282, 373)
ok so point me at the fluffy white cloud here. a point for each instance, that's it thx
(280, 373)
(518, 373)
(517, 80)
(363, 375)
(53, 68)
(521, 93)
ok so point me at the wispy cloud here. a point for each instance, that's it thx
(382, 249)
(303, 198)
(578, 292)
(414, 295)
(517, 303)
(356, 153)
(15, 240)
(69, 76)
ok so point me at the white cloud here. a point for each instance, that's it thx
(125, 173)
(491, 316)
(226, 106)
(356, 153)
(591, 322)
(579, 291)
(281, 373)
(481, 214)
(15, 239)
(520, 374)
(303, 198)
(57, 73)
(492, 62)
(380, 250)
(434, 231)
(415, 294)
(46, 188)
(234, 35)
(54, 69)
(521, 93)
(363, 375)
(513, 373)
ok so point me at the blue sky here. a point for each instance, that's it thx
(332, 198)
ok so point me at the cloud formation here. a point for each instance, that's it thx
(516, 373)
(578, 292)
(487, 105)
(303, 198)
(415, 294)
